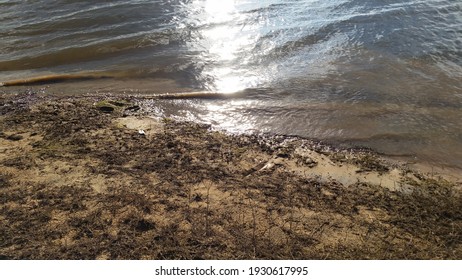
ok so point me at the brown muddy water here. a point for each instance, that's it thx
(381, 74)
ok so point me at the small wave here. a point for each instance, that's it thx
(55, 78)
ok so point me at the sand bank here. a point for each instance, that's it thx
(96, 178)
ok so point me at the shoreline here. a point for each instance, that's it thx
(168, 92)
(125, 185)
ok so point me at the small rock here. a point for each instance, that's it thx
(15, 137)
(106, 109)
(118, 103)
(106, 106)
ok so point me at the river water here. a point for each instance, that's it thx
(383, 74)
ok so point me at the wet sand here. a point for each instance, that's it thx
(96, 177)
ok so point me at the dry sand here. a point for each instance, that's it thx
(80, 180)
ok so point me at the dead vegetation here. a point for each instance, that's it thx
(79, 187)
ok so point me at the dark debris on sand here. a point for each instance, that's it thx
(80, 187)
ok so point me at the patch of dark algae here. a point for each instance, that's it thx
(79, 186)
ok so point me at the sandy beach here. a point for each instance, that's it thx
(97, 177)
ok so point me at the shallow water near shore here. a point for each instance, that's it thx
(382, 75)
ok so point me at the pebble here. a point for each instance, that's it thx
(15, 137)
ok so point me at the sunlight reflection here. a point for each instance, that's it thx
(223, 40)
(219, 11)
(224, 116)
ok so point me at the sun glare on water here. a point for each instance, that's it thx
(224, 39)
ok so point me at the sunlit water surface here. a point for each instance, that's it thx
(383, 74)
